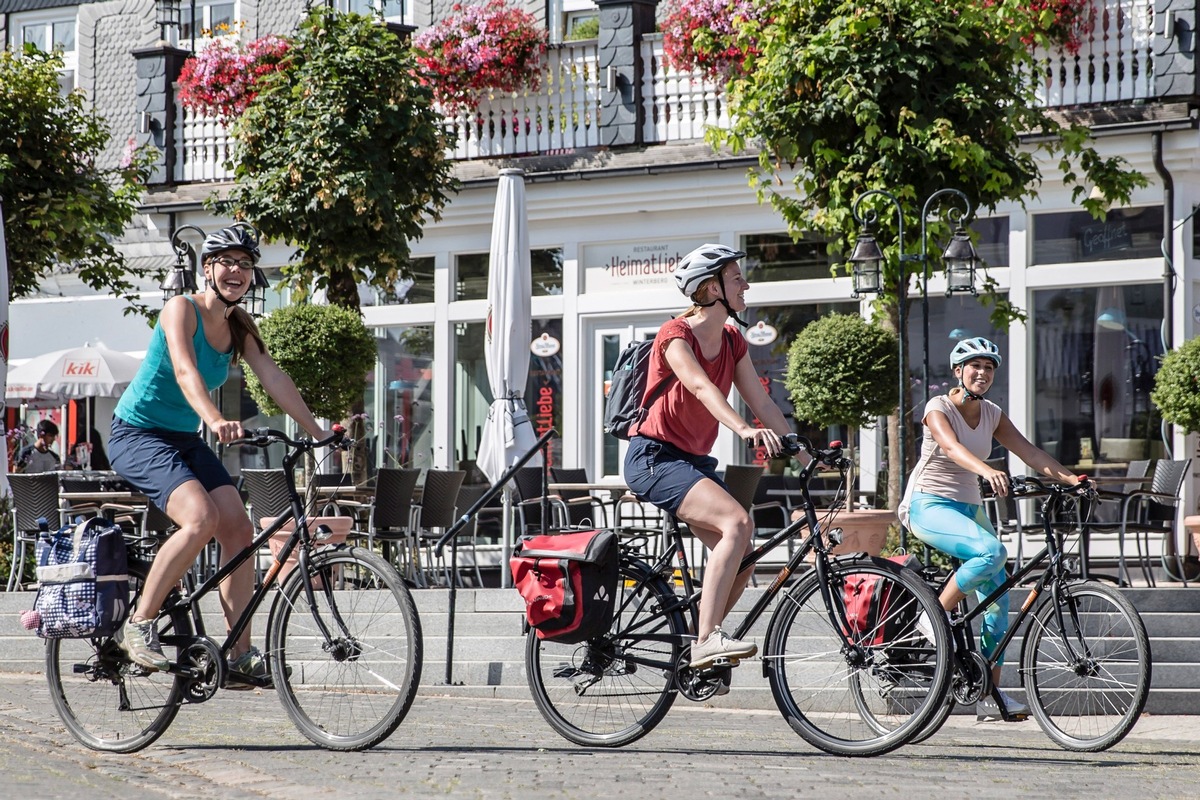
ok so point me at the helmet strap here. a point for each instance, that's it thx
(230, 305)
(724, 302)
(967, 393)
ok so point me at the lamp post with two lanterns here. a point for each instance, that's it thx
(959, 259)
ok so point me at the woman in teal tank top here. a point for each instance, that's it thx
(156, 445)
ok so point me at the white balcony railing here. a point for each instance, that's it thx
(678, 105)
(1114, 64)
(563, 115)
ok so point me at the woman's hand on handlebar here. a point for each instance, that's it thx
(226, 430)
(764, 437)
(997, 479)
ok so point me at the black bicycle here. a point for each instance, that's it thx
(834, 673)
(1085, 657)
(343, 642)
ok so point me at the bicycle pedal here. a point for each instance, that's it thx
(723, 662)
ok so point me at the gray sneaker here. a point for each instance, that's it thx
(720, 645)
(249, 671)
(139, 640)
(987, 710)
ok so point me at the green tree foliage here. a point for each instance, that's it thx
(908, 96)
(61, 209)
(1177, 386)
(842, 371)
(342, 155)
(331, 383)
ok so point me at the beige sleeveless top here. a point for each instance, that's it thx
(936, 473)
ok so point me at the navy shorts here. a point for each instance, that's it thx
(157, 462)
(662, 474)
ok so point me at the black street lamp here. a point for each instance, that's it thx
(959, 259)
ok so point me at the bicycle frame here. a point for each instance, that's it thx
(689, 601)
(1056, 572)
(189, 600)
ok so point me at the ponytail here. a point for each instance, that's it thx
(243, 327)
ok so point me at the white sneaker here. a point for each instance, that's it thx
(718, 645)
(924, 626)
(986, 709)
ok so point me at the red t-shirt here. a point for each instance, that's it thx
(677, 416)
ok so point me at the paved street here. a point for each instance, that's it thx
(243, 746)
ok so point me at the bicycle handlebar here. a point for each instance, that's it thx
(262, 437)
(794, 443)
(1024, 484)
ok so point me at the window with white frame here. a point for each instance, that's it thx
(49, 31)
(391, 10)
(199, 21)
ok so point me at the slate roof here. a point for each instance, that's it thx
(12, 6)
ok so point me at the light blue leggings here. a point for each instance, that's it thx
(963, 531)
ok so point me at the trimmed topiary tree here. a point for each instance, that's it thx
(842, 371)
(326, 350)
(1177, 386)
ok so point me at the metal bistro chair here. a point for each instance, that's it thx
(436, 512)
(389, 517)
(1146, 511)
(34, 497)
(266, 495)
(583, 508)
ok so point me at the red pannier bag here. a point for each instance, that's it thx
(868, 602)
(568, 582)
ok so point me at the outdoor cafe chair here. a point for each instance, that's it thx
(435, 513)
(582, 507)
(389, 517)
(1143, 512)
(34, 497)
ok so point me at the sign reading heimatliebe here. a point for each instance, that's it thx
(622, 266)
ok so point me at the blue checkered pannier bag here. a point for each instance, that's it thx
(83, 581)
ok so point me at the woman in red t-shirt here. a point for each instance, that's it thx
(668, 464)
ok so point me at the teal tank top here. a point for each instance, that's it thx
(154, 400)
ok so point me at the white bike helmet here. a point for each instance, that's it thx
(968, 349)
(703, 262)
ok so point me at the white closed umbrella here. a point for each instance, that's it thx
(508, 433)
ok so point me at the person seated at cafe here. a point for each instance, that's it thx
(93, 456)
(38, 457)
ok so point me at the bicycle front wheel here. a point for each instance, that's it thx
(612, 690)
(106, 701)
(871, 687)
(1086, 665)
(347, 669)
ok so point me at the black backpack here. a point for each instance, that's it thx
(623, 407)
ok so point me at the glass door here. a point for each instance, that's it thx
(609, 340)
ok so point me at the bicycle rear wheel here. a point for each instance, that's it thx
(1087, 666)
(612, 690)
(350, 691)
(107, 702)
(874, 693)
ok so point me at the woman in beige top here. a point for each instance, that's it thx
(943, 507)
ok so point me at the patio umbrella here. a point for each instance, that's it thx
(508, 432)
(77, 373)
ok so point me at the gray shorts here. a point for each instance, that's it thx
(157, 462)
(662, 474)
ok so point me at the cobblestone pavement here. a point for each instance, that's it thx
(243, 746)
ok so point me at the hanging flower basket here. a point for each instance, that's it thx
(1064, 23)
(710, 36)
(221, 78)
(478, 49)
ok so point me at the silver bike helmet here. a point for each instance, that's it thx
(968, 349)
(703, 262)
(235, 237)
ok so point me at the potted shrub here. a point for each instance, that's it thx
(1177, 395)
(842, 371)
(327, 351)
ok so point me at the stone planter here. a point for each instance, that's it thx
(339, 525)
(863, 531)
